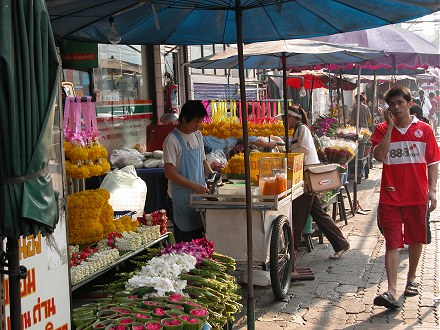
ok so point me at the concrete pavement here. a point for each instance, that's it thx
(341, 296)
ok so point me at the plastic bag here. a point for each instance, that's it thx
(128, 192)
(217, 160)
(127, 156)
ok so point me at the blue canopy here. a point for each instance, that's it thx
(198, 22)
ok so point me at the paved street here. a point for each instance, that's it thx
(341, 296)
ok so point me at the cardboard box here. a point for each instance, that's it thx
(295, 163)
(320, 177)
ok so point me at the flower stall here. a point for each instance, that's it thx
(183, 286)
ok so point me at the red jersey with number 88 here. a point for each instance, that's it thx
(404, 174)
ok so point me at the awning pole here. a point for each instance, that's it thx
(247, 173)
(14, 282)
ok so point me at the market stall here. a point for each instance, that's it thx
(272, 231)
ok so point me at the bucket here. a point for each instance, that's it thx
(308, 228)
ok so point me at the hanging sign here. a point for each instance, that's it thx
(79, 55)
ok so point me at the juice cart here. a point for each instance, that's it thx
(224, 216)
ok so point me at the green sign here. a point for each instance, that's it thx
(79, 55)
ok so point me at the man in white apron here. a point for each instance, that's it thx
(186, 168)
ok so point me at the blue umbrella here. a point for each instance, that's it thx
(198, 22)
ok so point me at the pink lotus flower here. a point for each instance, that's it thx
(175, 297)
(201, 312)
(142, 316)
(137, 327)
(127, 320)
(172, 315)
(172, 322)
(121, 310)
(189, 319)
(159, 311)
(154, 325)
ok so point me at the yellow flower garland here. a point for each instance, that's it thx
(85, 162)
(90, 217)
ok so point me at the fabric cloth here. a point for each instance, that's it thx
(414, 230)
(364, 115)
(302, 137)
(311, 204)
(191, 167)
(411, 151)
(172, 149)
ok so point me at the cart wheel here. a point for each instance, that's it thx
(281, 260)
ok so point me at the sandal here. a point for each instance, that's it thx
(338, 255)
(386, 301)
(411, 289)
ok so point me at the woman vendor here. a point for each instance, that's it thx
(306, 204)
(185, 167)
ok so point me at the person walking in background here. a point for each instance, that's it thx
(424, 103)
(433, 113)
(410, 156)
(185, 167)
(437, 98)
(310, 203)
(381, 107)
(417, 111)
(365, 117)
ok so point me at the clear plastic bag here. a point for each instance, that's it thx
(217, 160)
(127, 156)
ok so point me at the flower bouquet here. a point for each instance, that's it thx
(117, 327)
(153, 325)
(125, 320)
(201, 313)
(172, 324)
(142, 316)
(102, 324)
(158, 313)
(138, 326)
(190, 322)
(364, 135)
(339, 151)
(348, 133)
(325, 126)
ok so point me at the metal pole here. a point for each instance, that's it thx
(356, 158)
(342, 99)
(251, 299)
(286, 119)
(14, 283)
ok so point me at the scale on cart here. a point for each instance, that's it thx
(224, 218)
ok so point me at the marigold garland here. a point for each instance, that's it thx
(90, 216)
(85, 161)
(223, 127)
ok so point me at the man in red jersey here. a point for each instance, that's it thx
(410, 155)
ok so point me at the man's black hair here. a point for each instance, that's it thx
(192, 109)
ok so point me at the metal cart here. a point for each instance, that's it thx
(224, 218)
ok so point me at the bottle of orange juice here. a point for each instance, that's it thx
(272, 175)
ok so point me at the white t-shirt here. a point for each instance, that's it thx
(172, 150)
(304, 139)
(426, 106)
